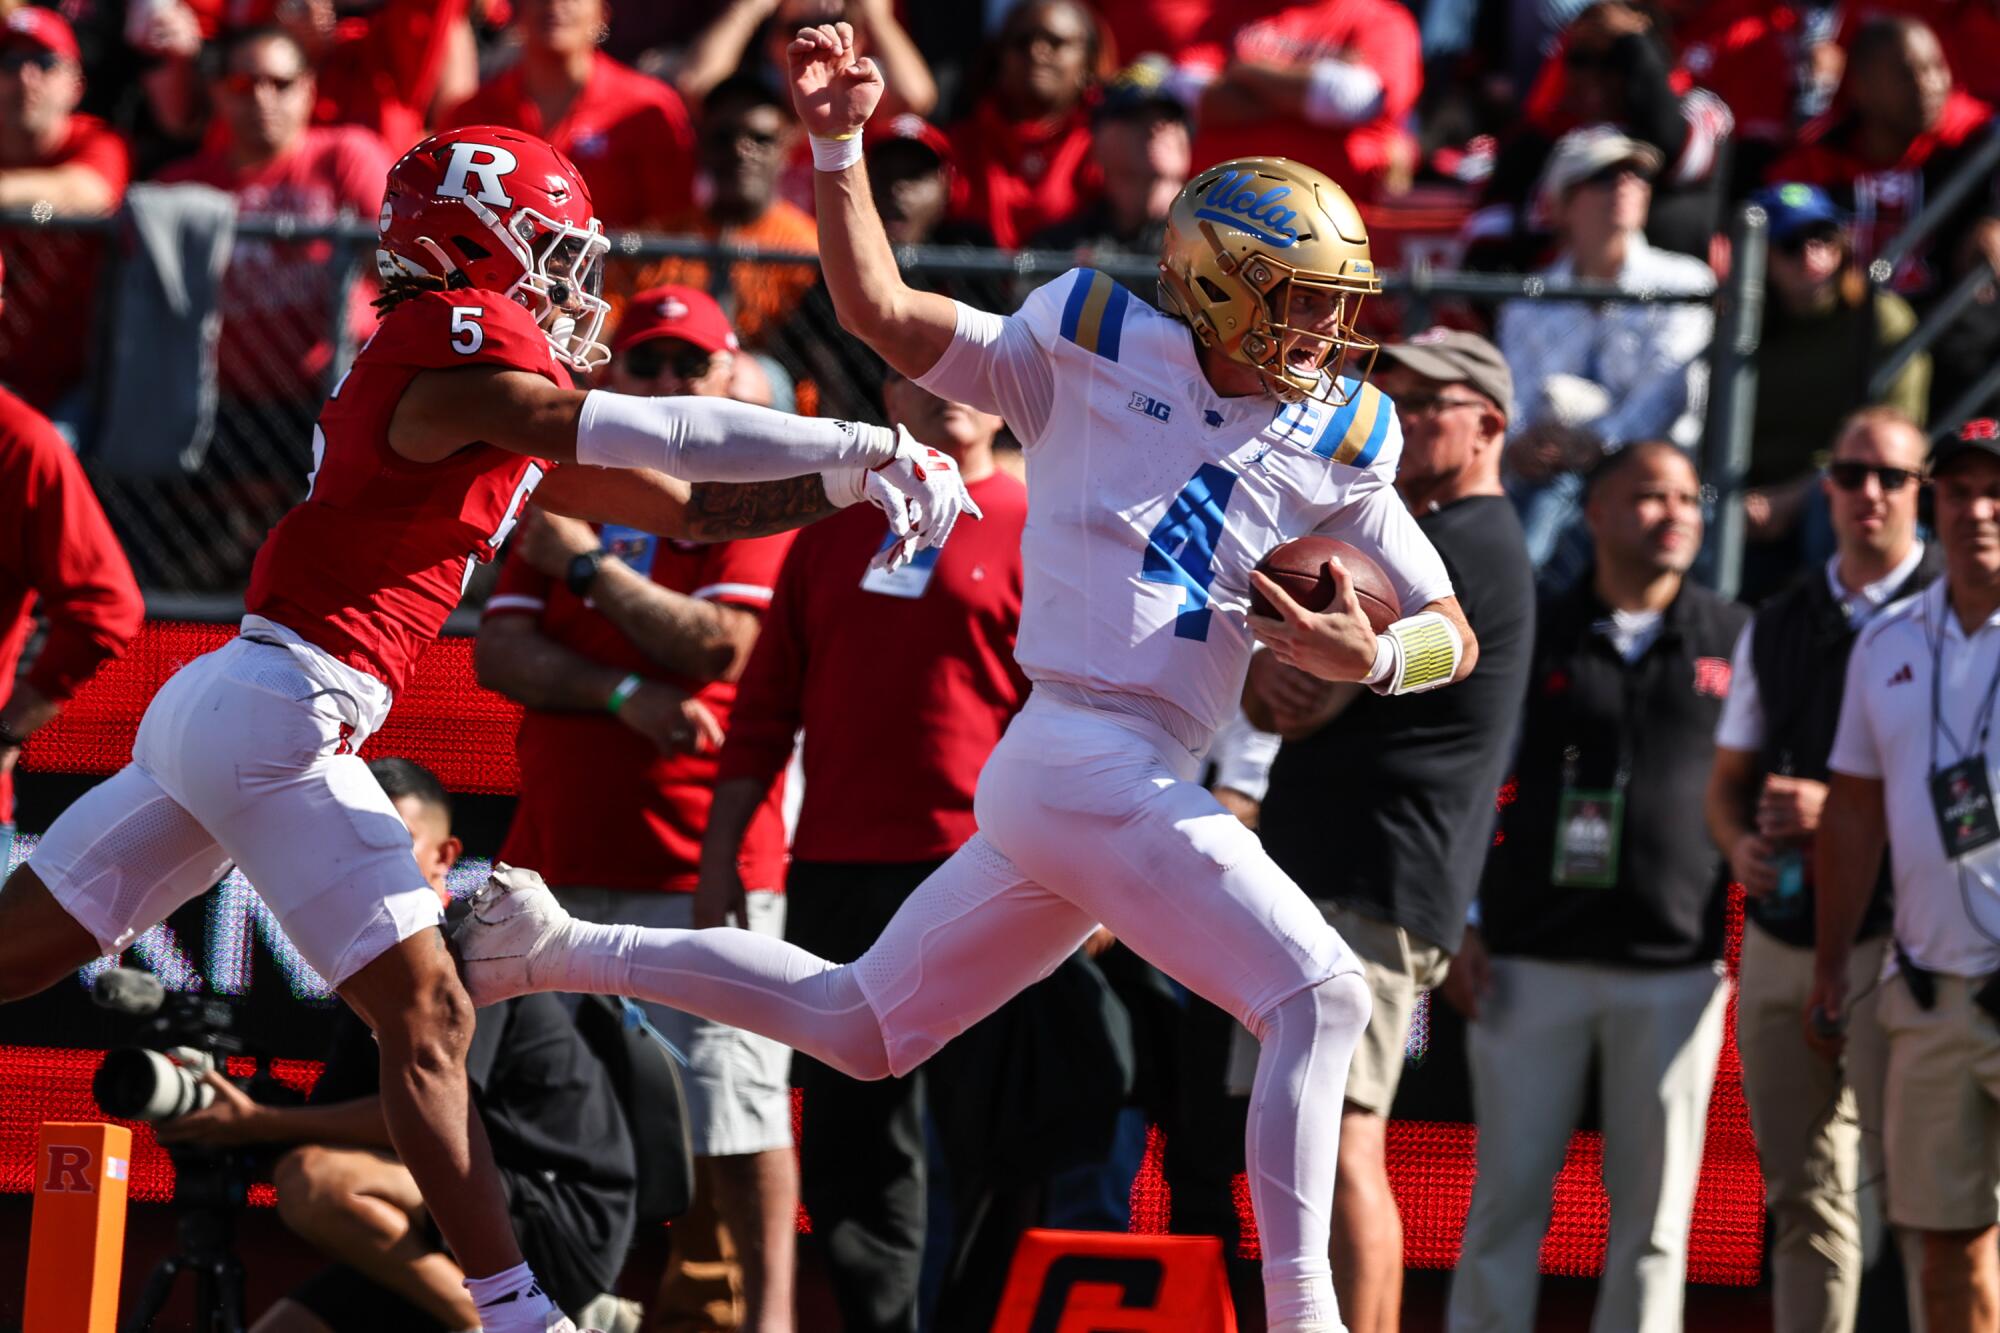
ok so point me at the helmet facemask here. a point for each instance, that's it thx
(563, 282)
(1302, 331)
(562, 274)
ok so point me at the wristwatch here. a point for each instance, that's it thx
(11, 739)
(583, 571)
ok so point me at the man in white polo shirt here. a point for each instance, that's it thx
(1914, 766)
(1818, 1122)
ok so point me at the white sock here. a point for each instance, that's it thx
(746, 980)
(511, 1301)
(1293, 1143)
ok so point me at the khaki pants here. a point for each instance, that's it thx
(1655, 1036)
(1942, 1124)
(1401, 969)
(1818, 1129)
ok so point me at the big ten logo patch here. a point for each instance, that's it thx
(1149, 407)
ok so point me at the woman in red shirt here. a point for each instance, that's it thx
(1025, 150)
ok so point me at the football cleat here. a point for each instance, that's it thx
(515, 922)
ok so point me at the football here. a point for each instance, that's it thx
(1299, 567)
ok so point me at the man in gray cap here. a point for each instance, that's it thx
(1415, 776)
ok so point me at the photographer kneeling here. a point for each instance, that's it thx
(559, 1136)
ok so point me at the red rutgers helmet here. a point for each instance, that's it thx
(502, 211)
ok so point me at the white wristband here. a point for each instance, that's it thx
(1385, 661)
(844, 485)
(835, 154)
(1428, 652)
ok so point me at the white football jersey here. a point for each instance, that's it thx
(1150, 498)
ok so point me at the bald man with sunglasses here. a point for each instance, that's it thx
(1764, 802)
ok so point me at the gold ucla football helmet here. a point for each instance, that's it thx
(1248, 243)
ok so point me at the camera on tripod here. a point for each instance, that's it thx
(181, 1039)
(185, 1036)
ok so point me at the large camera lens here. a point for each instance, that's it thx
(134, 1083)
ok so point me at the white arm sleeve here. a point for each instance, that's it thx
(714, 439)
(1342, 93)
(1741, 726)
(996, 364)
(1377, 522)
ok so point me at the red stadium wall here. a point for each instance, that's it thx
(465, 734)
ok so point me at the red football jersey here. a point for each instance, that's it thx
(375, 557)
(600, 806)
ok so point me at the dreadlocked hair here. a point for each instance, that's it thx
(401, 287)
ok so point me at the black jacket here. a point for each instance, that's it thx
(1659, 714)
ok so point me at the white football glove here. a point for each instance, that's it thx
(922, 493)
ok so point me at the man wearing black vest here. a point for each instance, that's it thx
(1764, 803)
(1600, 943)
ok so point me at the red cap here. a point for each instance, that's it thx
(44, 28)
(909, 126)
(687, 313)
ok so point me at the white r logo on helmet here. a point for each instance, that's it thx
(487, 163)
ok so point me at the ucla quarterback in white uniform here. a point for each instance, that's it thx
(1166, 454)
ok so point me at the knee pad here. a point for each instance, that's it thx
(859, 1048)
(1338, 1007)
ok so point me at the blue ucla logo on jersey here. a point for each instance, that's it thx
(1232, 200)
(1149, 407)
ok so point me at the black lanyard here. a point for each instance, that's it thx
(1982, 721)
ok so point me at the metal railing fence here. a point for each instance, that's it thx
(192, 507)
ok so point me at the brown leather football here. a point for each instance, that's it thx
(1299, 567)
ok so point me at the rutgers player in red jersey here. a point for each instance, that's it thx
(457, 410)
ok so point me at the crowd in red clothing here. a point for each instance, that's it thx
(1063, 124)
(1360, 88)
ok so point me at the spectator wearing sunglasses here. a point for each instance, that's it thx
(50, 156)
(1765, 797)
(625, 649)
(1913, 768)
(1826, 330)
(275, 352)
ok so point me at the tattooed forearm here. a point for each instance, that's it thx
(722, 511)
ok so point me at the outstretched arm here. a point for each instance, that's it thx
(704, 511)
(835, 92)
(695, 439)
